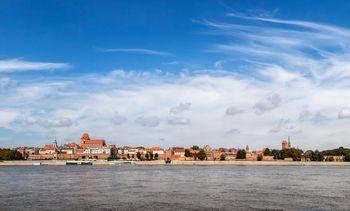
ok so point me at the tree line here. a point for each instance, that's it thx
(9, 154)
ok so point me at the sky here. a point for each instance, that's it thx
(175, 73)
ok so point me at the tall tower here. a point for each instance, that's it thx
(289, 145)
(55, 143)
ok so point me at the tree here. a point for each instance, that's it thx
(156, 156)
(187, 153)
(276, 154)
(201, 155)
(260, 157)
(151, 155)
(128, 156)
(267, 152)
(223, 156)
(8, 154)
(347, 157)
(314, 155)
(241, 154)
(195, 147)
(147, 156)
(138, 155)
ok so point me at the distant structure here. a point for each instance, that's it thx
(286, 144)
(86, 142)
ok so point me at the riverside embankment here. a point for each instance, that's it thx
(176, 162)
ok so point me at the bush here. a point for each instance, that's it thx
(241, 154)
(138, 155)
(347, 157)
(8, 154)
(223, 156)
(195, 147)
(267, 152)
(201, 155)
(330, 159)
(187, 153)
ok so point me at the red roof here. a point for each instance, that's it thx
(72, 145)
(178, 149)
(155, 148)
(85, 136)
(48, 147)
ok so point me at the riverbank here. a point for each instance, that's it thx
(175, 163)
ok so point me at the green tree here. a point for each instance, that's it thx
(241, 154)
(128, 156)
(276, 154)
(147, 156)
(347, 157)
(201, 155)
(195, 147)
(138, 155)
(156, 156)
(187, 153)
(267, 152)
(223, 156)
(8, 154)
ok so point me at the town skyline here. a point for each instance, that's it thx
(176, 74)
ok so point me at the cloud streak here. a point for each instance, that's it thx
(138, 51)
(18, 65)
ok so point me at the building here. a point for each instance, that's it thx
(156, 151)
(285, 145)
(48, 149)
(88, 149)
(86, 142)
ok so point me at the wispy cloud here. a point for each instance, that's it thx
(18, 65)
(138, 50)
(295, 76)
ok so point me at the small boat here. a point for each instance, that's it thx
(37, 164)
(167, 161)
(76, 162)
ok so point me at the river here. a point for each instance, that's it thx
(130, 187)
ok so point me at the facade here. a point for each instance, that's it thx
(286, 144)
(88, 149)
(48, 149)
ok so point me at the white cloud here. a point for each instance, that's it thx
(174, 120)
(219, 64)
(285, 68)
(267, 103)
(231, 111)
(50, 123)
(232, 131)
(344, 113)
(148, 121)
(180, 108)
(118, 119)
(18, 65)
(138, 50)
(7, 117)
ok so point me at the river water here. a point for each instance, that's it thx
(129, 187)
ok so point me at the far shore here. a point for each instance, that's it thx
(177, 163)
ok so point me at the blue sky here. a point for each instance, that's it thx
(224, 73)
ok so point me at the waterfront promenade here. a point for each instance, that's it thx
(177, 163)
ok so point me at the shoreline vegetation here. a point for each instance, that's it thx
(199, 156)
(177, 163)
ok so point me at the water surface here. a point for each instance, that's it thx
(129, 187)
